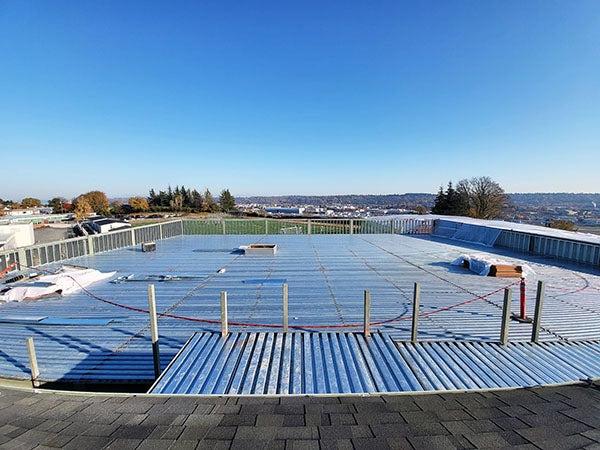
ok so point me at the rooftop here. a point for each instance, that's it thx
(103, 334)
(524, 418)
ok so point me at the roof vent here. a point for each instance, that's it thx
(148, 246)
(260, 249)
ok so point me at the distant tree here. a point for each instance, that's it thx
(30, 202)
(462, 203)
(478, 197)
(97, 200)
(226, 201)
(209, 204)
(82, 208)
(197, 202)
(420, 209)
(441, 204)
(58, 205)
(117, 207)
(177, 202)
(487, 199)
(559, 224)
(138, 204)
(152, 198)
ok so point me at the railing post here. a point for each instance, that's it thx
(537, 317)
(505, 316)
(22, 259)
(133, 236)
(522, 300)
(391, 226)
(182, 225)
(309, 226)
(223, 225)
(154, 329)
(266, 226)
(285, 307)
(33, 365)
(224, 324)
(367, 320)
(90, 243)
(160, 231)
(351, 226)
(415, 315)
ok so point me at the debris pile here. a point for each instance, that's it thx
(66, 280)
(491, 267)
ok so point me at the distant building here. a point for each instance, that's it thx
(24, 212)
(16, 235)
(277, 211)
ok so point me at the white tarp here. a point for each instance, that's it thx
(63, 282)
(481, 264)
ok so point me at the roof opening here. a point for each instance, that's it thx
(260, 249)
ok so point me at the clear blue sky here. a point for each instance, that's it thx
(272, 97)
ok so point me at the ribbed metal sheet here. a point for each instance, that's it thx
(334, 363)
(326, 275)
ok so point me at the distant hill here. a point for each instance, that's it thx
(392, 200)
(551, 199)
(563, 199)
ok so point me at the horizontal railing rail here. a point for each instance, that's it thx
(548, 246)
(40, 254)
(307, 226)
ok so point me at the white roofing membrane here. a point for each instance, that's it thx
(502, 225)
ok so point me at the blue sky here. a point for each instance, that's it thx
(273, 97)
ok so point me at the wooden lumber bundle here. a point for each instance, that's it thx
(506, 271)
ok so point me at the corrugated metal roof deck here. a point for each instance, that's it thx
(326, 275)
(334, 363)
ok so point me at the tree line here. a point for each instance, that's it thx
(479, 197)
(183, 199)
(179, 199)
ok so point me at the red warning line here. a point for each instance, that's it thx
(270, 325)
(8, 269)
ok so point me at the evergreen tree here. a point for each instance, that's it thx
(226, 201)
(186, 200)
(209, 204)
(197, 201)
(441, 205)
(479, 197)
(152, 197)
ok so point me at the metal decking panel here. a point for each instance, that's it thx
(275, 363)
(326, 276)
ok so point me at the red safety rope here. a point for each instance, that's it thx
(268, 325)
(8, 269)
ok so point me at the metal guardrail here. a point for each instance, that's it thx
(564, 249)
(39, 254)
(35, 255)
(307, 226)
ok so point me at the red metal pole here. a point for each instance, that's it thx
(523, 298)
